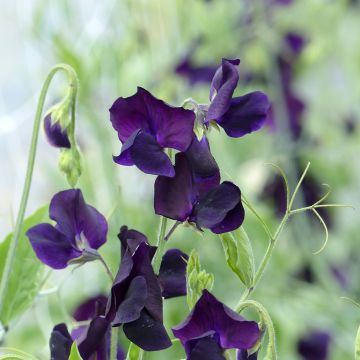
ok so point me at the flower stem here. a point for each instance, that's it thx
(114, 342)
(173, 228)
(29, 172)
(107, 268)
(161, 242)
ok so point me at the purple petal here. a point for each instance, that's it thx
(95, 338)
(171, 126)
(134, 301)
(124, 158)
(147, 333)
(246, 114)
(89, 309)
(206, 173)
(128, 115)
(205, 348)
(60, 343)
(130, 239)
(172, 274)
(174, 197)
(143, 151)
(120, 285)
(74, 216)
(55, 135)
(142, 266)
(233, 220)
(314, 346)
(222, 89)
(51, 246)
(216, 204)
(209, 314)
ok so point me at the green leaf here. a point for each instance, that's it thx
(74, 352)
(357, 345)
(196, 279)
(239, 255)
(26, 273)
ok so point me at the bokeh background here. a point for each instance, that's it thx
(304, 54)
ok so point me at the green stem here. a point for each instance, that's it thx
(29, 171)
(107, 268)
(264, 262)
(161, 242)
(114, 342)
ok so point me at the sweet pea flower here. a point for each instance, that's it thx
(212, 327)
(314, 346)
(195, 193)
(96, 343)
(172, 273)
(240, 115)
(135, 301)
(79, 231)
(146, 126)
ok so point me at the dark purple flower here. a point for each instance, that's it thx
(314, 346)
(172, 273)
(295, 43)
(94, 342)
(295, 107)
(135, 301)
(195, 74)
(80, 229)
(56, 136)
(195, 193)
(145, 126)
(212, 327)
(60, 343)
(94, 339)
(240, 115)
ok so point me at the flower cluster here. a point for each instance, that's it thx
(188, 188)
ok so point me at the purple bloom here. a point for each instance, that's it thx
(60, 343)
(314, 346)
(212, 327)
(80, 229)
(95, 338)
(56, 136)
(172, 273)
(135, 301)
(240, 115)
(295, 43)
(95, 341)
(195, 74)
(145, 126)
(195, 193)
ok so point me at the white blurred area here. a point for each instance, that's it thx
(23, 66)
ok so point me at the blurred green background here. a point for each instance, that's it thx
(116, 46)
